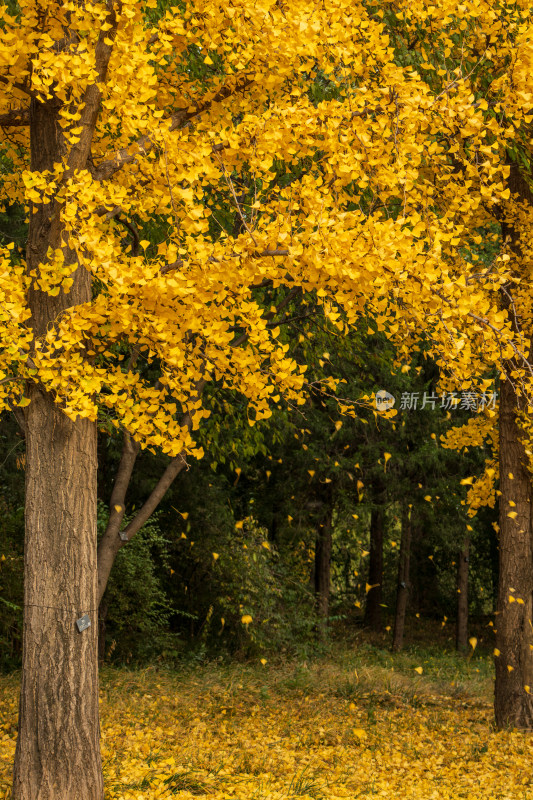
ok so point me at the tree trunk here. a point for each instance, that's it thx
(323, 573)
(402, 591)
(461, 631)
(58, 752)
(513, 705)
(375, 570)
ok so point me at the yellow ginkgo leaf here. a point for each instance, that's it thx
(246, 619)
(420, 670)
(472, 642)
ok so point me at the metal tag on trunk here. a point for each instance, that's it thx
(83, 623)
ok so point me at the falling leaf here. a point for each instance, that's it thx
(420, 670)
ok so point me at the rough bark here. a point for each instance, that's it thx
(513, 706)
(58, 753)
(374, 597)
(402, 590)
(58, 750)
(461, 629)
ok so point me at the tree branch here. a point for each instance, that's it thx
(110, 542)
(183, 117)
(262, 254)
(16, 117)
(22, 87)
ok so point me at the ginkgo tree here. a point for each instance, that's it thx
(365, 199)
(485, 52)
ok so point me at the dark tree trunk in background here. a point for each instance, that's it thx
(322, 568)
(461, 631)
(102, 617)
(374, 596)
(402, 591)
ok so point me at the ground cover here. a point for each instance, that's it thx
(350, 723)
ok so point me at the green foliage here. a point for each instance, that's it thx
(11, 584)
(138, 609)
(225, 569)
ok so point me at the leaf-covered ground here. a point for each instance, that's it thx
(357, 724)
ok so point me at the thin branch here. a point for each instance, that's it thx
(182, 118)
(22, 87)
(256, 254)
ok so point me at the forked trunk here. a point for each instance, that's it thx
(402, 591)
(513, 704)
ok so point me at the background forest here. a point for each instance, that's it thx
(293, 529)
